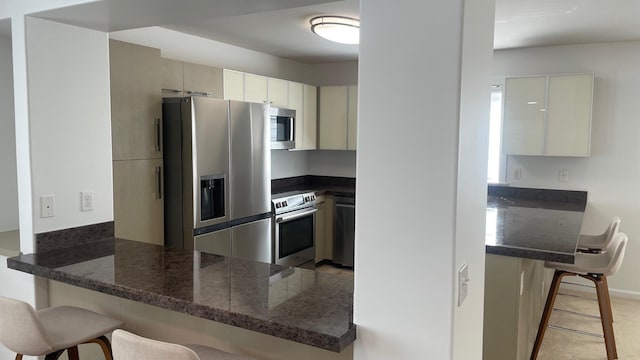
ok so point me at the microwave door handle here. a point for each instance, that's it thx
(292, 130)
(295, 216)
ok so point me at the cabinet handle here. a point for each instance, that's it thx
(172, 91)
(158, 182)
(199, 93)
(158, 136)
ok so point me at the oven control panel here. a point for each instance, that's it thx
(293, 201)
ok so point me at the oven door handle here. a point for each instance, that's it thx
(295, 216)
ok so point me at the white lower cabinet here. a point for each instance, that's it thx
(138, 206)
(514, 297)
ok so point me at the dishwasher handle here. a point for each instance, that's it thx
(348, 206)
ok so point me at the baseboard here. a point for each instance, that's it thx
(633, 295)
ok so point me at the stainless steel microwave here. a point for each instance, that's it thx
(282, 128)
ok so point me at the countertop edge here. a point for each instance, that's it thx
(303, 336)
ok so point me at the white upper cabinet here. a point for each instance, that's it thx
(338, 117)
(310, 118)
(296, 102)
(185, 79)
(171, 79)
(278, 92)
(569, 115)
(202, 80)
(233, 85)
(255, 88)
(548, 115)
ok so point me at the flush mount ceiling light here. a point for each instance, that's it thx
(340, 29)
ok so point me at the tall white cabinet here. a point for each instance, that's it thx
(548, 115)
(136, 142)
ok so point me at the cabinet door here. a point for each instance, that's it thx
(310, 117)
(138, 208)
(171, 81)
(569, 115)
(233, 85)
(296, 102)
(203, 80)
(333, 117)
(523, 129)
(136, 101)
(278, 91)
(352, 118)
(320, 233)
(255, 88)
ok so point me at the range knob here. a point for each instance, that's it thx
(284, 203)
(278, 205)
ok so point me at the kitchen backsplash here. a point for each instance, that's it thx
(286, 164)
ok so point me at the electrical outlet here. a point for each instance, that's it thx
(47, 206)
(86, 201)
(463, 283)
(517, 174)
(564, 175)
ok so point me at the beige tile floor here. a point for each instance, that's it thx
(563, 345)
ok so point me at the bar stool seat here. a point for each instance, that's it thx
(129, 346)
(596, 268)
(53, 330)
(597, 243)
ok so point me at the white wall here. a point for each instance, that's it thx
(70, 122)
(332, 163)
(341, 73)
(8, 175)
(286, 164)
(405, 258)
(612, 173)
(475, 92)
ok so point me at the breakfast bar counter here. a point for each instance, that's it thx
(300, 305)
(533, 223)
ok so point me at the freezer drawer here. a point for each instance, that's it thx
(217, 242)
(252, 241)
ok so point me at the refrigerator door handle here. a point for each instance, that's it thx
(158, 136)
(158, 182)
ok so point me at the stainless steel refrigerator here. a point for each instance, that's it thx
(217, 177)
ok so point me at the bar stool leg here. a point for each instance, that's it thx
(606, 288)
(605, 314)
(105, 345)
(546, 314)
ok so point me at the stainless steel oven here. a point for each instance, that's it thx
(294, 229)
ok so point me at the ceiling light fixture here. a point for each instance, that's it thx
(340, 29)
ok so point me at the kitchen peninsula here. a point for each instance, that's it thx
(525, 227)
(300, 305)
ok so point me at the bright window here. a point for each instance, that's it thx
(495, 171)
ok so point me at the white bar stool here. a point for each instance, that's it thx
(128, 346)
(597, 243)
(594, 267)
(53, 330)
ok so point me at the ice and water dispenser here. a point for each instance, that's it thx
(211, 197)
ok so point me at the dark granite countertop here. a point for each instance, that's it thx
(300, 305)
(534, 223)
(336, 186)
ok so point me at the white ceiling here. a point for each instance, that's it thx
(280, 27)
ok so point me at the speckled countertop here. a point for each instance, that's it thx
(300, 305)
(533, 223)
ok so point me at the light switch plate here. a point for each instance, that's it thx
(463, 283)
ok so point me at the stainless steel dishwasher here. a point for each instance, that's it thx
(344, 219)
